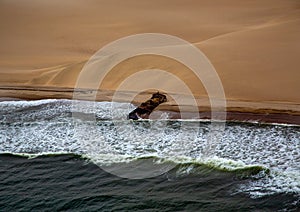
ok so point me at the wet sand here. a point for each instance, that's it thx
(264, 112)
(254, 47)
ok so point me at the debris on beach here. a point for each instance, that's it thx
(144, 110)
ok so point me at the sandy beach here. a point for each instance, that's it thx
(253, 45)
(84, 128)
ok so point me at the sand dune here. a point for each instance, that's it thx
(253, 45)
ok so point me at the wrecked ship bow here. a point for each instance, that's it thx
(145, 109)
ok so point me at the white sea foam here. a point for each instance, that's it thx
(50, 126)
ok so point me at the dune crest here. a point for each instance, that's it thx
(254, 46)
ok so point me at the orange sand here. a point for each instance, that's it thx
(253, 45)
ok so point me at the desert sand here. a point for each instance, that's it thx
(253, 45)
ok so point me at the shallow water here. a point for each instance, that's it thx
(68, 154)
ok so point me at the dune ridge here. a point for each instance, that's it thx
(253, 45)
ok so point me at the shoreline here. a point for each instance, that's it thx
(236, 110)
(252, 47)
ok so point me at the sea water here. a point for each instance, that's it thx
(68, 155)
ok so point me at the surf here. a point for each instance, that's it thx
(49, 127)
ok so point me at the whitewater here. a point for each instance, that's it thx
(101, 133)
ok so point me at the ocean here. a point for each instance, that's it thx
(86, 156)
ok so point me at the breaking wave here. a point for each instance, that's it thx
(100, 133)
